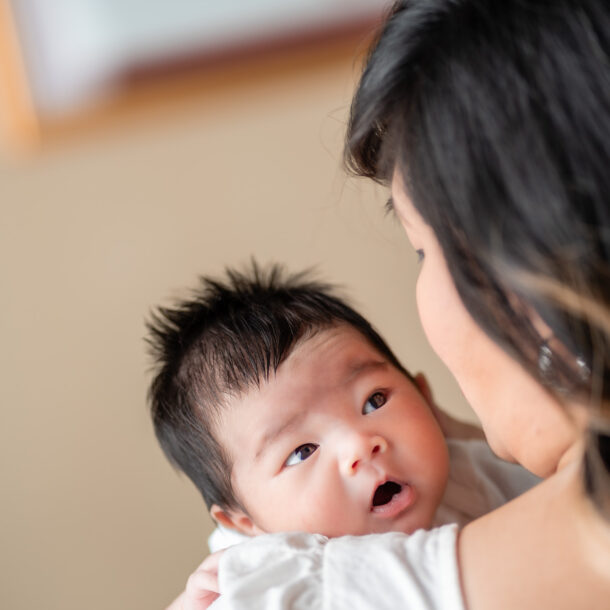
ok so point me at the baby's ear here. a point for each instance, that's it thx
(422, 385)
(235, 519)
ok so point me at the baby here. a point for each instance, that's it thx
(289, 412)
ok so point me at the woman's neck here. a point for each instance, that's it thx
(572, 455)
(591, 528)
(578, 416)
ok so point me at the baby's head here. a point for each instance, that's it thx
(289, 412)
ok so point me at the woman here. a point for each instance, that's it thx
(491, 121)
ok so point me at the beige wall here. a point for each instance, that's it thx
(95, 232)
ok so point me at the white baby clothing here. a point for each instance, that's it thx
(417, 571)
(297, 571)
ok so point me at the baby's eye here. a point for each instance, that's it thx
(374, 402)
(300, 454)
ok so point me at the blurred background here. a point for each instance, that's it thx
(144, 144)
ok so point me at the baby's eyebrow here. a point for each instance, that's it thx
(390, 210)
(282, 427)
(361, 368)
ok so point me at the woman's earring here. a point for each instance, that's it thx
(549, 374)
(583, 368)
(545, 361)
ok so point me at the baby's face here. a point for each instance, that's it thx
(337, 442)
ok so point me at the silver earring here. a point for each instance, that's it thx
(545, 360)
(584, 370)
(549, 375)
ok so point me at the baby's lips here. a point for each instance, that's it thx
(391, 498)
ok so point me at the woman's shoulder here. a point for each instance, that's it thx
(536, 551)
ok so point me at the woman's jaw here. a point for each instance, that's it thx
(522, 420)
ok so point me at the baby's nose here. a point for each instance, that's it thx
(362, 451)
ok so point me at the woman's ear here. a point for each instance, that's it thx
(236, 520)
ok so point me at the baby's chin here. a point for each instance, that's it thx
(402, 529)
(408, 523)
(403, 526)
(423, 524)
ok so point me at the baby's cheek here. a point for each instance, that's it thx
(328, 511)
(329, 521)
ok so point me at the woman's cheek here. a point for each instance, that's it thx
(442, 314)
(429, 307)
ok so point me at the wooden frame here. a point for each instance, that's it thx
(161, 86)
(20, 124)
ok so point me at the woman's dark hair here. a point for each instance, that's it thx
(496, 115)
(224, 340)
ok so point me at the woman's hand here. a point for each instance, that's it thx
(201, 587)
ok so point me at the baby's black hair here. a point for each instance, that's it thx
(224, 340)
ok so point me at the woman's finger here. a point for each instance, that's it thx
(201, 580)
(210, 563)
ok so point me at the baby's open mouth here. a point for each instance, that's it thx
(385, 492)
(391, 499)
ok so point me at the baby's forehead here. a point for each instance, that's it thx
(333, 355)
(350, 341)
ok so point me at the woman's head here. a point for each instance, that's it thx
(496, 118)
(494, 383)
